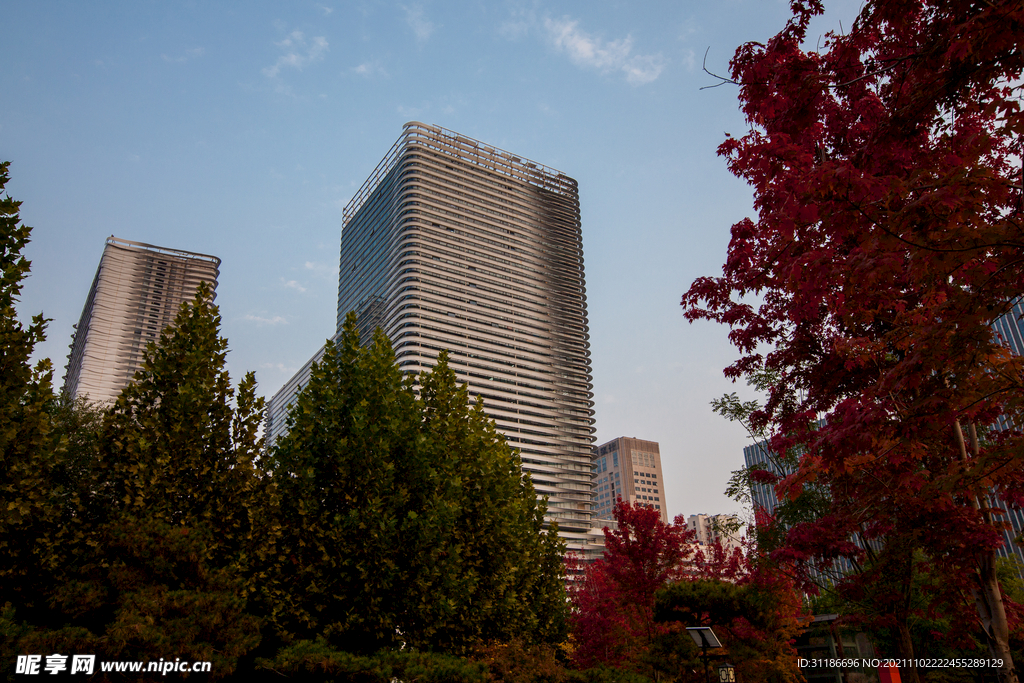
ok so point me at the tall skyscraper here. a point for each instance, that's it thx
(136, 293)
(454, 244)
(629, 469)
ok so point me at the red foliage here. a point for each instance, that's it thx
(613, 604)
(718, 563)
(754, 607)
(888, 241)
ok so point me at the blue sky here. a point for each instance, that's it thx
(242, 129)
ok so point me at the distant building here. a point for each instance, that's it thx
(716, 528)
(454, 244)
(765, 501)
(763, 494)
(630, 469)
(136, 293)
(1010, 330)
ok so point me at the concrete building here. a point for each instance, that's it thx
(136, 293)
(455, 244)
(630, 469)
(716, 528)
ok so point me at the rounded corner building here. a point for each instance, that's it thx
(454, 244)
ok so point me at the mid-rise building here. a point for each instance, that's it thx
(721, 529)
(454, 244)
(630, 469)
(136, 293)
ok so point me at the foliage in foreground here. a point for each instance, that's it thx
(412, 521)
(631, 607)
(499, 662)
(886, 176)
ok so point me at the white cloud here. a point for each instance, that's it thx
(259, 320)
(369, 69)
(321, 269)
(325, 9)
(192, 53)
(606, 56)
(292, 284)
(409, 112)
(277, 366)
(518, 25)
(690, 60)
(298, 53)
(418, 22)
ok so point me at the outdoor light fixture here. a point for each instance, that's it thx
(726, 673)
(704, 637)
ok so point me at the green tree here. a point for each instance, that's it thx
(502, 575)
(164, 518)
(173, 447)
(348, 473)
(408, 520)
(26, 453)
(148, 592)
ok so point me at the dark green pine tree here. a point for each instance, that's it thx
(173, 511)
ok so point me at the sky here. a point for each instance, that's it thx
(241, 130)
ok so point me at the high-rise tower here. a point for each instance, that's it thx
(454, 244)
(629, 469)
(136, 293)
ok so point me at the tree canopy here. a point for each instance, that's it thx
(887, 182)
(31, 498)
(411, 519)
(630, 607)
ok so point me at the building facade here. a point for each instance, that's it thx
(630, 469)
(721, 529)
(454, 244)
(136, 293)
(1010, 330)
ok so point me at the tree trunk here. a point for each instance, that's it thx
(988, 599)
(908, 674)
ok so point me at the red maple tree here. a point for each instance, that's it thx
(887, 181)
(630, 607)
(612, 618)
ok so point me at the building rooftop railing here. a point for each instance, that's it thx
(488, 156)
